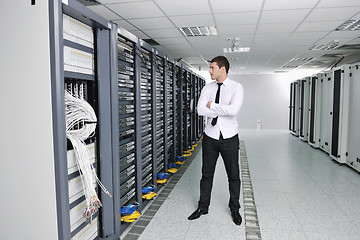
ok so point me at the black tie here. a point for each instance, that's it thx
(213, 122)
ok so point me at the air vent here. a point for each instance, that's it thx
(89, 2)
(152, 42)
(350, 25)
(198, 31)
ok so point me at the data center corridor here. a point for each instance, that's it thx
(300, 193)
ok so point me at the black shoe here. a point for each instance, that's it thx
(236, 217)
(197, 214)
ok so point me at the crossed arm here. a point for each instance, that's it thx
(210, 109)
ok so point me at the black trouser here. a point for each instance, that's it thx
(229, 150)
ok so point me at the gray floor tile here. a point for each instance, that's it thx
(300, 193)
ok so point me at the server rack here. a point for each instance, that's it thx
(291, 107)
(187, 110)
(295, 108)
(326, 111)
(196, 99)
(80, 42)
(340, 111)
(201, 118)
(170, 110)
(304, 108)
(315, 110)
(161, 114)
(148, 115)
(125, 109)
(179, 104)
(353, 150)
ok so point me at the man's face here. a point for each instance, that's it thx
(215, 71)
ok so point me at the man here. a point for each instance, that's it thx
(220, 102)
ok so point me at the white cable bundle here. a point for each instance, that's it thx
(80, 125)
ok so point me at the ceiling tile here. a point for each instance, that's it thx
(163, 33)
(308, 35)
(104, 12)
(343, 34)
(228, 19)
(183, 7)
(137, 10)
(139, 34)
(193, 20)
(318, 26)
(205, 42)
(281, 4)
(271, 36)
(225, 6)
(236, 30)
(178, 46)
(152, 23)
(283, 16)
(332, 14)
(337, 3)
(167, 41)
(277, 28)
(125, 24)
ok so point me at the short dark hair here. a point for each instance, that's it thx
(222, 62)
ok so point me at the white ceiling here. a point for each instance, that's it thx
(276, 30)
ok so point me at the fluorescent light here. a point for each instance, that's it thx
(325, 47)
(198, 31)
(350, 25)
(236, 49)
(302, 59)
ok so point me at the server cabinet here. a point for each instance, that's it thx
(315, 110)
(179, 104)
(125, 94)
(340, 111)
(304, 108)
(326, 112)
(86, 57)
(68, 51)
(148, 157)
(291, 107)
(170, 111)
(161, 114)
(201, 118)
(196, 99)
(353, 139)
(295, 107)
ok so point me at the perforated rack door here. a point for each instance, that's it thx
(126, 115)
(160, 118)
(147, 115)
(170, 110)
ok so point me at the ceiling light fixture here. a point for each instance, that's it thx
(350, 25)
(325, 47)
(198, 31)
(302, 59)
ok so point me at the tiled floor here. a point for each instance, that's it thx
(300, 193)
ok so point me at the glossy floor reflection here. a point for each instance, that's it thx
(300, 193)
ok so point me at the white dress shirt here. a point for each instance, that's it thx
(231, 99)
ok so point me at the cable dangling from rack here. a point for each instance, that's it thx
(80, 125)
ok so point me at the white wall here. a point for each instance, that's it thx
(266, 99)
(28, 200)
